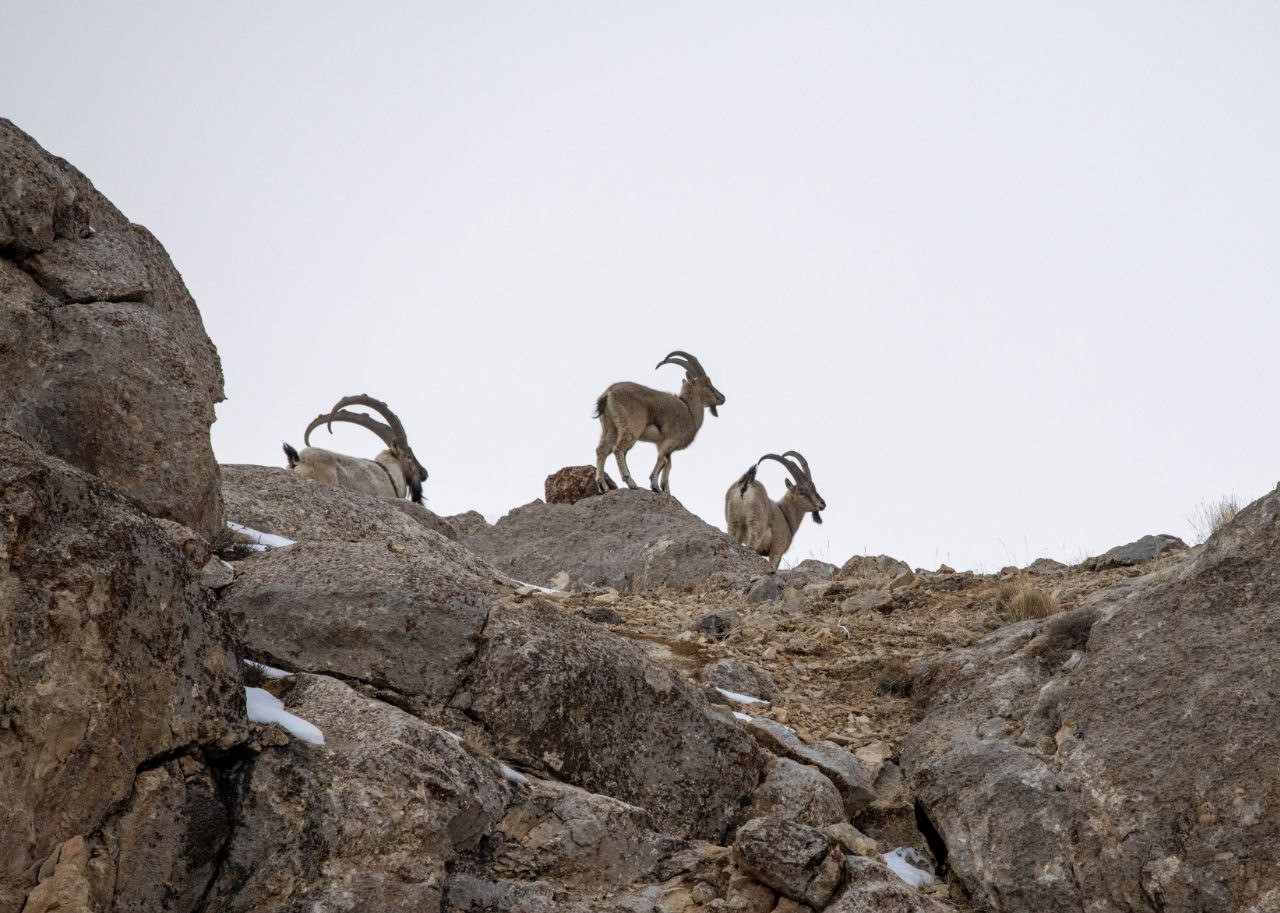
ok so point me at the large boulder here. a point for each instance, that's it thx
(113, 661)
(629, 540)
(397, 614)
(579, 704)
(104, 361)
(281, 502)
(367, 821)
(795, 860)
(573, 483)
(1114, 756)
(1148, 548)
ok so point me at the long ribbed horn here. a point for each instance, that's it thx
(364, 399)
(802, 461)
(690, 363)
(365, 421)
(795, 470)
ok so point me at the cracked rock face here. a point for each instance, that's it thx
(395, 617)
(104, 361)
(112, 659)
(366, 821)
(561, 696)
(1119, 756)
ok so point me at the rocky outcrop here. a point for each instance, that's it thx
(632, 541)
(843, 769)
(1111, 757)
(284, 503)
(113, 662)
(1148, 548)
(104, 361)
(579, 704)
(573, 483)
(873, 570)
(399, 615)
(366, 821)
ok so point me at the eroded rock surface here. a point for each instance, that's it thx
(104, 361)
(629, 540)
(112, 658)
(1111, 757)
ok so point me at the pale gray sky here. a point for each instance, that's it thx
(1005, 272)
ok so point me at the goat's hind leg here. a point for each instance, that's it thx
(608, 437)
(626, 441)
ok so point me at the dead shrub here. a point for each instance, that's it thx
(1018, 601)
(1211, 516)
(894, 677)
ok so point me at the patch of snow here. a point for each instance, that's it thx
(265, 707)
(453, 735)
(513, 775)
(268, 671)
(261, 541)
(519, 584)
(741, 716)
(741, 698)
(911, 866)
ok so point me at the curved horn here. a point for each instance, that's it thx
(795, 470)
(364, 399)
(802, 461)
(364, 421)
(690, 363)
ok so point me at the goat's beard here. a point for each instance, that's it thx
(415, 492)
(714, 412)
(817, 518)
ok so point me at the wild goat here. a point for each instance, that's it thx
(633, 412)
(765, 526)
(388, 475)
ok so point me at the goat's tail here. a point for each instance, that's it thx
(600, 404)
(745, 482)
(291, 455)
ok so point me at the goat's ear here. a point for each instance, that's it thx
(787, 482)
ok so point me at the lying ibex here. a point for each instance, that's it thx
(633, 412)
(388, 475)
(767, 527)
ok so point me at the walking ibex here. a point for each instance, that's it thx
(388, 475)
(633, 412)
(765, 526)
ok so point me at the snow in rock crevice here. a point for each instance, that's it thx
(741, 698)
(911, 866)
(261, 541)
(265, 707)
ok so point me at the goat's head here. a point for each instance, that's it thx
(803, 488)
(697, 385)
(392, 434)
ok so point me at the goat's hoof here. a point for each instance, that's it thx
(632, 485)
(655, 488)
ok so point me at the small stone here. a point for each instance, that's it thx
(602, 615)
(905, 578)
(765, 589)
(217, 573)
(946, 569)
(607, 598)
(718, 624)
(852, 839)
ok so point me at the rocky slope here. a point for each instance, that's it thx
(593, 705)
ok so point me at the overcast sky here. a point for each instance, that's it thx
(1006, 273)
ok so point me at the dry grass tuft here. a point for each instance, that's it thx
(894, 677)
(1016, 601)
(1211, 516)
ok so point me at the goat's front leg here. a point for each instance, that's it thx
(664, 461)
(666, 475)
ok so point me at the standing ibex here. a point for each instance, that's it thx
(633, 412)
(767, 527)
(388, 475)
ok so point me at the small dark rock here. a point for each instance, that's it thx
(601, 615)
